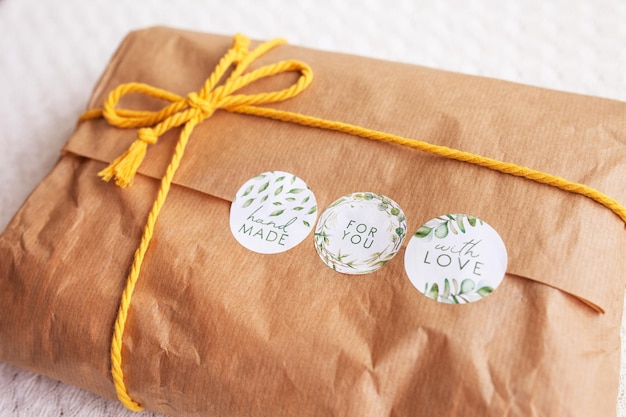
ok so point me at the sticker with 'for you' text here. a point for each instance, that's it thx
(456, 259)
(273, 212)
(360, 232)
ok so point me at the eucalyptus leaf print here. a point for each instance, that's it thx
(272, 212)
(433, 292)
(467, 292)
(264, 187)
(443, 225)
(467, 286)
(442, 230)
(456, 259)
(446, 288)
(459, 222)
(484, 291)
(359, 233)
(423, 232)
(248, 190)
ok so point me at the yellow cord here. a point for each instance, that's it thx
(504, 167)
(187, 112)
(196, 107)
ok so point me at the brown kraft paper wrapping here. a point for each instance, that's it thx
(217, 330)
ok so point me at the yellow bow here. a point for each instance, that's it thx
(196, 107)
(187, 112)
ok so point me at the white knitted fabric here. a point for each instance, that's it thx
(52, 52)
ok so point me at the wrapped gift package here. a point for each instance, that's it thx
(217, 328)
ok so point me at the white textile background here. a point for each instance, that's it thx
(52, 52)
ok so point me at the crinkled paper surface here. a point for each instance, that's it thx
(53, 53)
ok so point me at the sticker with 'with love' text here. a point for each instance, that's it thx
(456, 259)
(273, 212)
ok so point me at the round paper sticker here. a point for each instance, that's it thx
(456, 259)
(272, 212)
(360, 232)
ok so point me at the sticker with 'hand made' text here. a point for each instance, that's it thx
(360, 232)
(273, 212)
(456, 259)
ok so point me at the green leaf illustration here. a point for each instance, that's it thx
(307, 224)
(459, 222)
(423, 231)
(313, 210)
(247, 203)
(446, 289)
(264, 187)
(305, 199)
(442, 230)
(380, 263)
(295, 191)
(277, 212)
(395, 211)
(248, 190)
(399, 231)
(484, 291)
(264, 198)
(279, 179)
(277, 203)
(471, 220)
(467, 286)
(290, 199)
(278, 190)
(375, 256)
(434, 292)
(455, 284)
(298, 208)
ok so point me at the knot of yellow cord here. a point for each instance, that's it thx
(205, 107)
(241, 44)
(147, 136)
(185, 112)
(197, 106)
